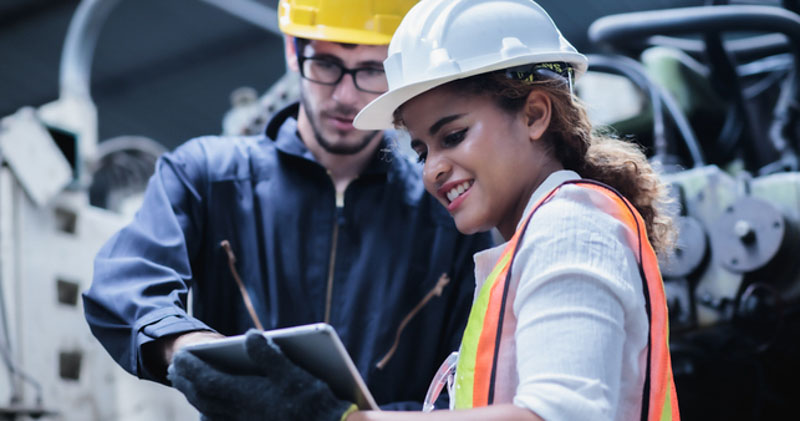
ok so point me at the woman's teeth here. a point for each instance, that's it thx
(458, 190)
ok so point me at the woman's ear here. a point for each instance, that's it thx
(537, 112)
(291, 54)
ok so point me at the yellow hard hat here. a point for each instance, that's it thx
(347, 21)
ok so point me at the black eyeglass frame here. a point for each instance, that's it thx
(342, 71)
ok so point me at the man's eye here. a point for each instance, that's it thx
(324, 65)
(369, 72)
(454, 139)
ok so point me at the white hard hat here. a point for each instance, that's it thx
(439, 41)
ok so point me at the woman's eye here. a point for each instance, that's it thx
(421, 157)
(454, 139)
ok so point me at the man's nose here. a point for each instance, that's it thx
(345, 91)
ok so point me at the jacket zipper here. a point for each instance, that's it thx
(332, 257)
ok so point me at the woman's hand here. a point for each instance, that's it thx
(495, 412)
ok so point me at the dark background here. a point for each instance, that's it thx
(165, 69)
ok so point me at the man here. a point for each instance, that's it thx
(316, 220)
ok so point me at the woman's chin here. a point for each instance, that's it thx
(468, 226)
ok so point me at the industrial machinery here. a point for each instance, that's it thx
(722, 81)
(62, 195)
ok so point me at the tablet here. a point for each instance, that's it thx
(314, 347)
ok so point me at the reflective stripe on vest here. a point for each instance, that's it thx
(477, 363)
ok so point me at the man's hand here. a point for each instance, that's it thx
(157, 355)
(173, 344)
(277, 390)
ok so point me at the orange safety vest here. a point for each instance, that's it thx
(477, 372)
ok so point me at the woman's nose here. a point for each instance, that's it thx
(436, 169)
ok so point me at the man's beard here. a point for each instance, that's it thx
(325, 143)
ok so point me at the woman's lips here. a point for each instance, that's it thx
(455, 192)
(458, 200)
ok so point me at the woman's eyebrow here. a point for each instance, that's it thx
(442, 121)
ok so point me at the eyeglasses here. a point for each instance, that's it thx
(327, 72)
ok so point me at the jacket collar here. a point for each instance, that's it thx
(282, 129)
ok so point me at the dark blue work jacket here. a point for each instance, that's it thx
(276, 206)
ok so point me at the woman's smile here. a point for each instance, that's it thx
(454, 193)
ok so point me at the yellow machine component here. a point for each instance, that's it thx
(347, 21)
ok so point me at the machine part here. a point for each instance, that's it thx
(11, 412)
(659, 98)
(32, 154)
(82, 35)
(703, 193)
(247, 118)
(743, 49)
(245, 112)
(631, 31)
(680, 303)
(599, 90)
(690, 252)
(634, 30)
(74, 112)
(17, 376)
(748, 235)
(121, 170)
(760, 312)
(521, 33)
(49, 360)
(282, 93)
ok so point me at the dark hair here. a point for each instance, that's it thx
(573, 141)
(301, 43)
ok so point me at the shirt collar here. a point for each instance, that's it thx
(486, 259)
(552, 181)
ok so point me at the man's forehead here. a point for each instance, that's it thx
(350, 53)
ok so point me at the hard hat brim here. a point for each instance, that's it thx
(379, 114)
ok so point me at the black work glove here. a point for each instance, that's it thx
(279, 390)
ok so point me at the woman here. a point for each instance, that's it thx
(570, 322)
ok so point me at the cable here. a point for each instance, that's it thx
(659, 96)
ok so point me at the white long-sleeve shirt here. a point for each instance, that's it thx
(581, 333)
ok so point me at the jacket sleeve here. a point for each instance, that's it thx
(142, 275)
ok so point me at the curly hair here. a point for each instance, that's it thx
(579, 147)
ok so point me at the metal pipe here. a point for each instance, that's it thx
(743, 49)
(632, 28)
(250, 11)
(84, 30)
(81, 39)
